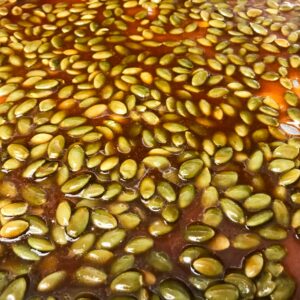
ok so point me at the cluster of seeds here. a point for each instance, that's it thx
(149, 149)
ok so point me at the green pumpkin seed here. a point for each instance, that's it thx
(76, 158)
(186, 196)
(159, 228)
(273, 232)
(103, 219)
(232, 211)
(14, 209)
(218, 92)
(174, 289)
(13, 228)
(90, 276)
(286, 152)
(281, 165)
(275, 252)
(223, 155)
(198, 233)
(190, 168)
(122, 264)
(225, 179)
(16, 289)
(78, 222)
(229, 291)
(255, 161)
(238, 192)
(289, 177)
(83, 244)
(129, 220)
(199, 77)
(127, 282)
(259, 218)
(75, 184)
(265, 285)
(40, 244)
(285, 288)
(25, 252)
(208, 266)
(46, 84)
(257, 202)
(160, 261)
(246, 287)
(99, 257)
(18, 151)
(52, 281)
(166, 191)
(246, 241)
(128, 169)
(111, 239)
(139, 245)
(63, 213)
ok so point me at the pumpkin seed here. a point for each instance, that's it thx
(128, 282)
(173, 289)
(13, 228)
(15, 289)
(233, 211)
(198, 233)
(52, 281)
(90, 276)
(78, 222)
(208, 266)
(139, 245)
(227, 290)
